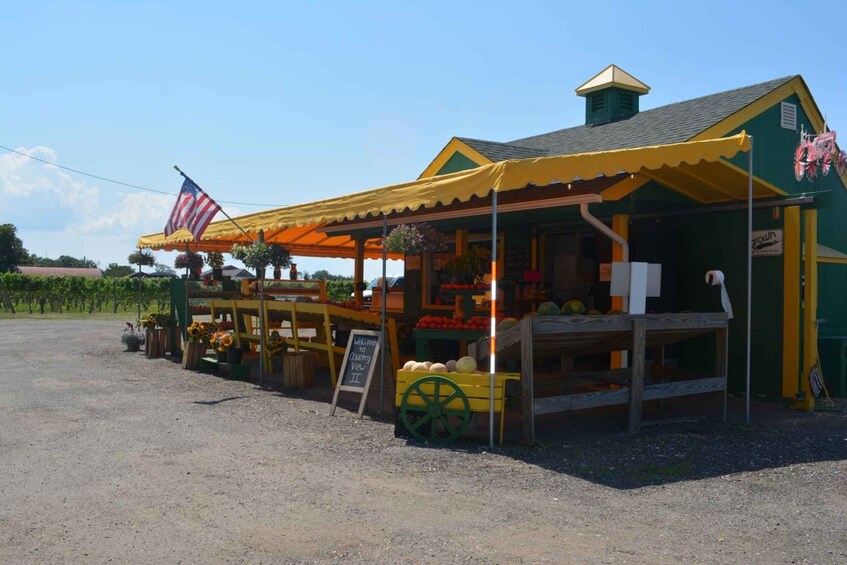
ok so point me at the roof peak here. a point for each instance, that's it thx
(612, 76)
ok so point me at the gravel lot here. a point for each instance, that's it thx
(106, 456)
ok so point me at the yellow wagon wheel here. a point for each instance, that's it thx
(435, 409)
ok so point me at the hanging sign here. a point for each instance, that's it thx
(766, 243)
(358, 366)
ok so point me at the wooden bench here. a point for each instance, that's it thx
(439, 397)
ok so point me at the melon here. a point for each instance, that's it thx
(594, 313)
(614, 312)
(451, 365)
(466, 365)
(438, 368)
(419, 367)
(548, 309)
(428, 364)
(573, 308)
(409, 364)
(507, 323)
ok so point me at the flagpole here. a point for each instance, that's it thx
(221, 209)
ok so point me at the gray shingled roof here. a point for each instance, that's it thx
(502, 151)
(673, 123)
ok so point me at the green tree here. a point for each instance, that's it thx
(63, 261)
(12, 252)
(115, 270)
(160, 268)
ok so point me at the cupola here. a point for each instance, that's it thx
(611, 95)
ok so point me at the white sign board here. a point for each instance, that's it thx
(766, 242)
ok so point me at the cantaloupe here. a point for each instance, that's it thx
(548, 309)
(438, 368)
(594, 313)
(614, 312)
(573, 308)
(409, 364)
(451, 365)
(466, 365)
(419, 367)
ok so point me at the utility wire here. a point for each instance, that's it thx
(126, 183)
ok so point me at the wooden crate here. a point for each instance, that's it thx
(298, 369)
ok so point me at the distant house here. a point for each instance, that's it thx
(61, 272)
(144, 275)
(231, 272)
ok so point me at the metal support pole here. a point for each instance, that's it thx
(493, 330)
(262, 319)
(384, 288)
(749, 270)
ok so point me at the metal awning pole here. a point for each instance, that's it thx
(749, 269)
(493, 331)
(382, 317)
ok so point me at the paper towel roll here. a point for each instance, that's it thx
(716, 278)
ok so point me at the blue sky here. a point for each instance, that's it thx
(277, 103)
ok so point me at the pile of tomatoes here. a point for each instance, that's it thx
(477, 323)
(454, 286)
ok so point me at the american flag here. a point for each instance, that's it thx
(194, 210)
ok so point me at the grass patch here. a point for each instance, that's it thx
(122, 316)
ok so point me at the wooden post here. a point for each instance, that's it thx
(358, 269)
(810, 308)
(636, 390)
(791, 303)
(527, 394)
(722, 362)
(620, 225)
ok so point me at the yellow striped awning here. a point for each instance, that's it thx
(299, 227)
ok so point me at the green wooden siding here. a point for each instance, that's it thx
(457, 162)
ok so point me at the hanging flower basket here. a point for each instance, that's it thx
(414, 239)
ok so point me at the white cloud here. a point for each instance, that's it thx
(56, 214)
(22, 177)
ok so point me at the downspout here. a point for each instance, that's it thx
(603, 228)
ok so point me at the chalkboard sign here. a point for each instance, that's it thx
(357, 368)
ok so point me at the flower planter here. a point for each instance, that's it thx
(191, 354)
(233, 355)
(220, 355)
(155, 343)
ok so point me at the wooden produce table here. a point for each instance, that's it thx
(423, 339)
(319, 316)
(571, 336)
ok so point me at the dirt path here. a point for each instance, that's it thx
(106, 456)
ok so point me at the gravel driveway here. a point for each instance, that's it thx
(106, 456)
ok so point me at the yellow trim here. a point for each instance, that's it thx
(810, 308)
(686, 170)
(791, 302)
(795, 86)
(833, 260)
(620, 225)
(453, 146)
(624, 187)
